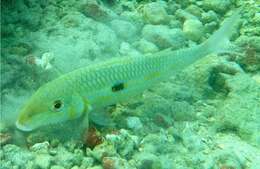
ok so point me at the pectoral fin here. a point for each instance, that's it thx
(101, 118)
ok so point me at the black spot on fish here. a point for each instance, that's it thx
(117, 87)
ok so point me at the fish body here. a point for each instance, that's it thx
(74, 94)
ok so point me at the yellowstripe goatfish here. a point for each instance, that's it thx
(76, 93)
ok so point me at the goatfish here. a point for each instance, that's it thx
(77, 93)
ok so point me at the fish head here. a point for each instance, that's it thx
(48, 106)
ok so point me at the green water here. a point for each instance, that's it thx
(204, 117)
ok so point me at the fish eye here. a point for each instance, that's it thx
(57, 105)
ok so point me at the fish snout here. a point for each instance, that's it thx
(22, 127)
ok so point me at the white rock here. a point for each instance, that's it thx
(40, 147)
(134, 17)
(123, 29)
(43, 161)
(220, 6)
(75, 167)
(127, 50)
(16, 156)
(155, 13)
(45, 60)
(87, 162)
(73, 46)
(164, 37)
(193, 29)
(57, 167)
(146, 47)
(134, 123)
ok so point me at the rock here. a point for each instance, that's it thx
(17, 156)
(96, 167)
(250, 61)
(92, 137)
(146, 47)
(123, 142)
(183, 111)
(40, 147)
(54, 143)
(220, 6)
(162, 120)
(68, 159)
(43, 161)
(194, 10)
(178, 90)
(93, 9)
(108, 163)
(183, 15)
(73, 145)
(104, 38)
(249, 41)
(172, 7)
(240, 113)
(161, 142)
(232, 152)
(127, 50)
(115, 163)
(175, 24)
(220, 74)
(5, 138)
(147, 161)
(75, 167)
(209, 16)
(123, 29)
(134, 123)
(157, 109)
(45, 62)
(155, 13)
(193, 29)
(57, 167)
(91, 40)
(196, 78)
(30, 17)
(183, 3)
(125, 5)
(20, 49)
(87, 162)
(191, 140)
(101, 151)
(211, 27)
(256, 78)
(164, 37)
(35, 138)
(72, 19)
(134, 17)
(3, 123)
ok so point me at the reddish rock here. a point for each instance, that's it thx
(5, 138)
(108, 163)
(92, 138)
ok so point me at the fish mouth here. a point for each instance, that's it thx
(22, 127)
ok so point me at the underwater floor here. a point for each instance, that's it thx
(206, 116)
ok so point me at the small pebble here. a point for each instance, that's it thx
(57, 167)
(193, 29)
(40, 146)
(134, 123)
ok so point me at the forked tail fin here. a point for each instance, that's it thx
(219, 41)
